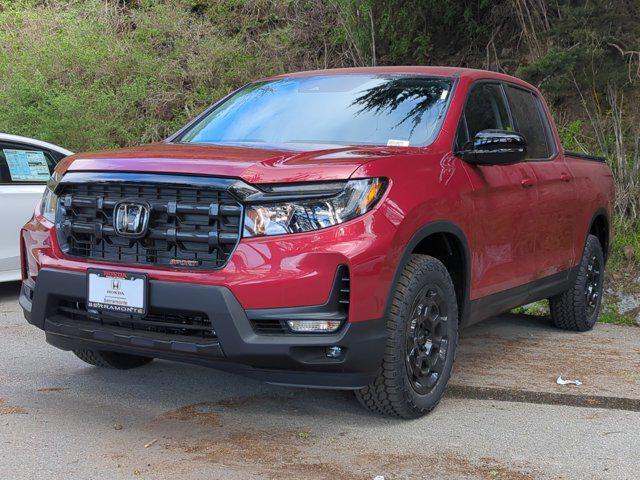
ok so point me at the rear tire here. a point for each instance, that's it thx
(422, 335)
(118, 361)
(577, 308)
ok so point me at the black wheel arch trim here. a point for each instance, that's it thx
(434, 228)
(600, 212)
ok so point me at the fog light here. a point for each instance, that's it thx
(314, 326)
(334, 352)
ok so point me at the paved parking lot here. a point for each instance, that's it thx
(503, 418)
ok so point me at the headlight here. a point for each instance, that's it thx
(295, 216)
(49, 202)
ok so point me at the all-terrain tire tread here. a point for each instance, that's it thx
(386, 395)
(91, 357)
(568, 309)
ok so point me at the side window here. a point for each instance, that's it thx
(528, 116)
(24, 164)
(486, 109)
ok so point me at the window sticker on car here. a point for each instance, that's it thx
(397, 143)
(26, 165)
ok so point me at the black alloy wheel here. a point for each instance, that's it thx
(427, 340)
(592, 286)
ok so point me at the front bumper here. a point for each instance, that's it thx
(288, 359)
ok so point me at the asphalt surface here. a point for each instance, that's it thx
(503, 418)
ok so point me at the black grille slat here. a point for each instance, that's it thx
(270, 326)
(189, 227)
(158, 234)
(93, 202)
(157, 321)
(345, 288)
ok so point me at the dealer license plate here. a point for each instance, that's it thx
(121, 292)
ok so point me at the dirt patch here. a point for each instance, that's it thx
(414, 466)
(264, 447)
(6, 409)
(200, 413)
(281, 454)
(294, 452)
(209, 413)
(272, 452)
(51, 389)
(251, 400)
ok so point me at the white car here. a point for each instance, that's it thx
(25, 167)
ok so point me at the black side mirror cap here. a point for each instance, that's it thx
(495, 147)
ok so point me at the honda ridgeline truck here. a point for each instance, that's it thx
(331, 229)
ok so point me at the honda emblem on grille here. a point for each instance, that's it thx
(131, 218)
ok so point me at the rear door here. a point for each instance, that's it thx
(24, 171)
(556, 206)
(503, 196)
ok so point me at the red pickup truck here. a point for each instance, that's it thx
(329, 229)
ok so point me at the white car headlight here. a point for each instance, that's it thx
(49, 202)
(352, 199)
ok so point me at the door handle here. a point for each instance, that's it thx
(526, 182)
(565, 177)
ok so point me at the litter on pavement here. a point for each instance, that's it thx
(562, 381)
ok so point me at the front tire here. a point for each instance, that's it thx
(422, 335)
(577, 308)
(104, 359)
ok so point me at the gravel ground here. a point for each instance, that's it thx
(504, 418)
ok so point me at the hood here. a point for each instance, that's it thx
(253, 165)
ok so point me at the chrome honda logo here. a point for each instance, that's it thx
(131, 219)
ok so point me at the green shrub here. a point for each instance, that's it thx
(626, 236)
(414, 32)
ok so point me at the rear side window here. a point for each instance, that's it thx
(530, 122)
(486, 110)
(23, 164)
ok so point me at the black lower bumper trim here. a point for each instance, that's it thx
(282, 359)
(88, 331)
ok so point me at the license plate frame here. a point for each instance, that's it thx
(130, 289)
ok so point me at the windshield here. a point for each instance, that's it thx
(328, 109)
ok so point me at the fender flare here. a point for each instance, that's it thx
(600, 212)
(435, 227)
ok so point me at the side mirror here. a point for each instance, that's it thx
(495, 147)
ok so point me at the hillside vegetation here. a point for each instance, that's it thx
(92, 74)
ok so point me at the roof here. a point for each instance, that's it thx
(36, 143)
(436, 71)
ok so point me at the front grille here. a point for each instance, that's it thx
(164, 322)
(189, 226)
